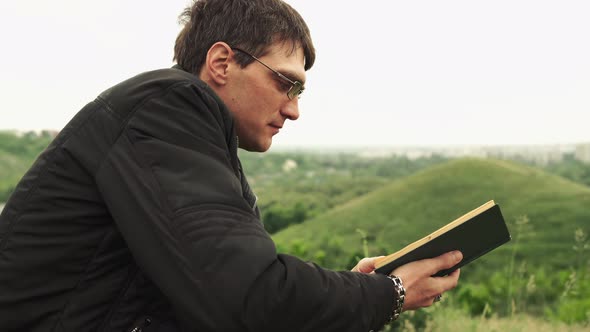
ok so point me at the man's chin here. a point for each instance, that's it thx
(257, 147)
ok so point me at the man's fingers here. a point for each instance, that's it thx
(455, 274)
(449, 282)
(429, 267)
(421, 287)
(447, 260)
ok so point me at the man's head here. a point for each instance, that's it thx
(237, 47)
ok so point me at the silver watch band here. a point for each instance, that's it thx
(400, 295)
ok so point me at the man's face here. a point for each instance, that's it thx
(257, 97)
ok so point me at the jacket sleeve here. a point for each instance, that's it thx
(169, 184)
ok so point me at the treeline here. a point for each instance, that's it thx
(570, 168)
(291, 186)
(296, 186)
(18, 151)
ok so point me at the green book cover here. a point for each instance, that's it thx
(474, 234)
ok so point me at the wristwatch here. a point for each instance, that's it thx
(400, 294)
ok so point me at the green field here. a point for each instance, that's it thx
(543, 271)
(444, 318)
(412, 207)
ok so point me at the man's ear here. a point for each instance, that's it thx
(216, 65)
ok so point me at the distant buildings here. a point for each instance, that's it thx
(538, 154)
(582, 152)
(289, 165)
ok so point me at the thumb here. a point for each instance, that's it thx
(366, 265)
(448, 260)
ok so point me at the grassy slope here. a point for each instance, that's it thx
(410, 208)
(448, 319)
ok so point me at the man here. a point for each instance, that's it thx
(138, 216)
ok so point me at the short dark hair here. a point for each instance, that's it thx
(252, 25)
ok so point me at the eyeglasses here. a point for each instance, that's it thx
(295, 89)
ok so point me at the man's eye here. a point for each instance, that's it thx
(284, 86)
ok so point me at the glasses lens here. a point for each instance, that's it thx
(295, 91)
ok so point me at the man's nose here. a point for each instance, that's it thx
(291, 109)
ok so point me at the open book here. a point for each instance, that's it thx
(474, 234)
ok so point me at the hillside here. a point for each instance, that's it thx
(409, 208)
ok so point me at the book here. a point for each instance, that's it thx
(474, 234)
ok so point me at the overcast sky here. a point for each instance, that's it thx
(388, 73)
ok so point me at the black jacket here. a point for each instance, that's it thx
(138, 213)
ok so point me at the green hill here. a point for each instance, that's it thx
(409, 208)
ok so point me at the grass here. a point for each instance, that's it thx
(407, 209)
(445, 319)
(523, 277)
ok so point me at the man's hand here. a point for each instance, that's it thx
(366, 265)
(421, 287)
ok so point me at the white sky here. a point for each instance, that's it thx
(387, 72)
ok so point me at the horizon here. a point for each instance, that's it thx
(360, 146)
